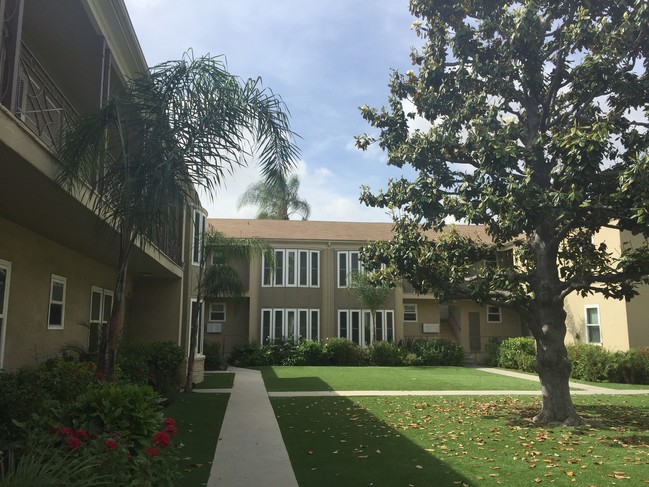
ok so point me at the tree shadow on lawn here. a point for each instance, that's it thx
(336, 441)
(291, 384)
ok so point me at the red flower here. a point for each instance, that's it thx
(152, 452)
(161, 439)
(169, 421)
(110, 444)
(171, 429)
(82, 435)
(73, 443)
(66, 431)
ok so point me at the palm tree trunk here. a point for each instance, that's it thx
(193, 341)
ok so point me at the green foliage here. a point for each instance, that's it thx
(213, 359)
(386, 354)
(246, 355)
(440, 352)
(589, 362)
(156, 364)
(342, 351)
(493, 351)
(630, 367)
(517, 353)
(308, 352)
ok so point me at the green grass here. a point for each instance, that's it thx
(216, 381)
(388, 379)
(198, 418)
(478, 441)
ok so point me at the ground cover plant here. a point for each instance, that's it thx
(388, 378)
(477, 441)
(199, 418)
(216, 381)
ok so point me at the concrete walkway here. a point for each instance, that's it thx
(250, 451)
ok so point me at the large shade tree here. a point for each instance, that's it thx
(183, 125)
(537, 115)
(276, 199)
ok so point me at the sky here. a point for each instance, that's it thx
(324, 58)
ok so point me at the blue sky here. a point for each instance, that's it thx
(325, 59)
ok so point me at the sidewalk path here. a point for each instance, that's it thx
(250, 450)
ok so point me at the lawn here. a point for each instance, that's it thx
(217, 381)
(198, 418)
(478, 441)
(388, 379)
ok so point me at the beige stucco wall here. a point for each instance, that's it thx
(154, 310)
(235, 328)
(34, 259)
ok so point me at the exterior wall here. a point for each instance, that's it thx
(638, 319)
(33, 261)
(154, 310)
(235, 327)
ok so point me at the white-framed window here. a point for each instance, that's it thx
(354, 324)
(409, 312)
(348, 261)
(5, 279)
(593, 325)
(293, 268)
(56, 312)
(494, 314)
(198, 232)
(101, 307)
(295, 324)
(217, 311)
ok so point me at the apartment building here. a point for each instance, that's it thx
(307, 292)
(58, 61)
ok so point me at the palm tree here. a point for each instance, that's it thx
(219, 278)
(277, 199)
(183, 125)
(372, 295)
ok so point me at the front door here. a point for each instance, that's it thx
(474, 332)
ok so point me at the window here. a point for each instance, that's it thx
(293, 268)
(355, 325)
(217, 311)
(296, 324)
(192, 312)
(593, 330)
(348, 262)
(493, 314)
(5, 275)
(409, 312)
(56, 313)
(197, 237)
(101, 307)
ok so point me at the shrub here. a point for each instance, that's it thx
(246, 355)
(342, 351)
(517, 353)
(492, 348)
(631, 367)
(213, 358)
(589, 362)
(278, 351)
(440, 352)
(411, 359)
(306, 353)
(386, 353)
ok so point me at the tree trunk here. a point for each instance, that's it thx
(193, 341)
(552, 364)
(115, 326)
(372, 326)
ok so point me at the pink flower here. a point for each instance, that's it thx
(161, 439)
(82, 435)
(65, 431)
(169, 421)
(171, 429)
(73, 443)
(110, 444)
(152, 452)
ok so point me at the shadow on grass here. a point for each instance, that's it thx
(275, 383)
(336, 441)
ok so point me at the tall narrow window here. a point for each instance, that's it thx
(56, 314)
(291, 332)
(315, 268)
(304, 268)
(197, 240)
(342, 269)
(266, 325)
(315, 325)
(593, 330)
(379, 334)
(389, 325)
(193, 309)
(342, 324)
(279, 330)
(5, 275)
(303, 324)
(291, 268)
(355, 327)
(267, 273)
(279, 268)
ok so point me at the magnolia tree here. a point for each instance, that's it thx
(537, 129)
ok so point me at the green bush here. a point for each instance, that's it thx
(411, 359)
(213, 358)
(386, 354)
(589, 362)
(278, 351)
(246, 355)
(517, 353)
(341, 351)
(631, 367)
(492, 348)
(156, 364)
(306, 353)
(440, 352)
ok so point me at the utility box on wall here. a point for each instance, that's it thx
(431, 327)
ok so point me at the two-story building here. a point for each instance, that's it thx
(60, 60)
(306, 294)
